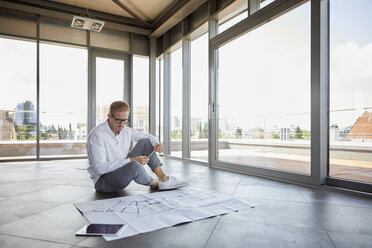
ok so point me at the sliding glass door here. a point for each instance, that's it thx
(110, 82)
(263, 96)
(350, 141)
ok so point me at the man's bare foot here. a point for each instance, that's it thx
(160, 174)
(154, 185)
(163, 179)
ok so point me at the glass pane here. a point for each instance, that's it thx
(199, 98)
(351, 90)
(264, 95)
(161, 106)
(176, 103)
(109, 85)
(63, 100)
(223, 26)
(265, 3)
(140, 94)
(18, 122)
(159, 76)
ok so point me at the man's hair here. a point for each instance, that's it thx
(119, 106)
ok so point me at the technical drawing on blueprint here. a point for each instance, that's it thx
(153, 211)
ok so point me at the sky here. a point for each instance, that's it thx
(351, 60)
(63, 80)
(264, 76)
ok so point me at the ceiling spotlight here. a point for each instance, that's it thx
(87, 23)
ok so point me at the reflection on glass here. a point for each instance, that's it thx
(157, 97)
(109, 85)
(176, 103)
(63, 100)
(351, 90)
(225, 25)
(18, 121)
(264, 95)
(140, 106)
(199, 98)
(159, 87)
(265, 3)
(161, 106)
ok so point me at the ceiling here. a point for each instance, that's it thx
(158, 16)
(142, 10)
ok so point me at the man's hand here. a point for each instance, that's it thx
(159, 148)
(140, 159)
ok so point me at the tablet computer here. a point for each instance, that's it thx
(101, 229)
(151, 153)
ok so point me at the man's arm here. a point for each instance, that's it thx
(97, 156)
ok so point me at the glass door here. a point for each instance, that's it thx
(110, 82)
(261, 102)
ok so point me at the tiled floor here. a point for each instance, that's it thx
(36, 204)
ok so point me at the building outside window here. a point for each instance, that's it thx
(350, 90)
(264, 95)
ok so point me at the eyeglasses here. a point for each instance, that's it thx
(119, 121)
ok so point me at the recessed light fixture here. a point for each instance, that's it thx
(87, 23)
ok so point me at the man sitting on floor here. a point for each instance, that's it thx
(112, 166)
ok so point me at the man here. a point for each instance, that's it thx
(112, 166)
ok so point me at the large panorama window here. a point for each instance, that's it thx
(109, 85)
(63, 100)
(159, 98)
(199, 98)
(264, 95)
(18, 120)
(140, 106)
(176, 103)
(351, 90)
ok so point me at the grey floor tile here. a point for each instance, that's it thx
(60, 193)
(295, 214)
(241, 234)
(7, 241)
(13, 210)
(16, 189)
(350, 240)
(102, 196)
(83, 182)
(58, 225)
(269, 193)
(260, 181)
(337, 198)
(39, 177)
(182, 175)
(194, 234)
(224, 188)
(282, 216)
(217, 178)
(344, 218)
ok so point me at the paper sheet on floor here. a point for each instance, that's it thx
(153, 211)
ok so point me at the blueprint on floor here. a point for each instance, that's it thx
(153, 211)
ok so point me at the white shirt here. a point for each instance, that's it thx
(107, 152)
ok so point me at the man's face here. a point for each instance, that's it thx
(118, 120)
